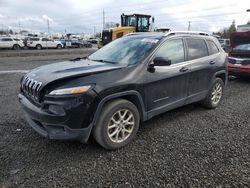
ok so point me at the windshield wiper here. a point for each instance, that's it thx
(103, 61)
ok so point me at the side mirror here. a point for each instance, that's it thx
(161, 61)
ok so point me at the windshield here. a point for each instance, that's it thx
(126, 50)
(242, 47)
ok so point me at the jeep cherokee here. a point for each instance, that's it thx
(130, 80)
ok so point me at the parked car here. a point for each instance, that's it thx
(239, 55)
(9, 42)
(130, 80)
(74, 43)
(39, 43)
(225, 44)
(93, 40)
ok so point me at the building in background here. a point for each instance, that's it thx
(243, 28)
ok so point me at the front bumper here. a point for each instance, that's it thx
(239, 70)
(67, 124)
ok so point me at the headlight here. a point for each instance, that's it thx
(73, 90)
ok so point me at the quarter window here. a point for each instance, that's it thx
(197, 48)
(213, 49)
(173, 50)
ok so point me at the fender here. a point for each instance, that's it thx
(117, 95)
(218, 73)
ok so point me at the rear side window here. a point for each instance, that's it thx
(34, 39)
(173, 50)
(213, 49)
(45, 39)
(6, 39)
(197, 48)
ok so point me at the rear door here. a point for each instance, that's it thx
(166, 87)
(203, 67)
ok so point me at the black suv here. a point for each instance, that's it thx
(130, 80)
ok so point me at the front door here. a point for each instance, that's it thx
(167, 86)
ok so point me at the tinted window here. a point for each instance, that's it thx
(6, 39)
(44, 39)
(173, 50)
(197, 48)
(212, 47)
(34, 39)
(16, 39)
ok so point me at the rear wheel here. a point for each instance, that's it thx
(39, 47)
(117, 125)
(16, 47)
(215, 94)
(59, 46)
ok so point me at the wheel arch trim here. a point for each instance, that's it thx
(116, 96)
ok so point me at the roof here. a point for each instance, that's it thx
(146, 15)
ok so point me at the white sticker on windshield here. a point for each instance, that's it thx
(150, 40)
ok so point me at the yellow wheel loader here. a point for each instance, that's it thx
(129, 24)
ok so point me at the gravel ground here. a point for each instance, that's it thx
(186, 147)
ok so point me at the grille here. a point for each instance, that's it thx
(31, 87)
(232, 61)
(246, 62)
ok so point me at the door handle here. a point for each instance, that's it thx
(183, 69)
(212, 62)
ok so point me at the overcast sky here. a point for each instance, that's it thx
(85, 15)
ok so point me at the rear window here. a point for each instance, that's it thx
(213, 49)
(197, 48)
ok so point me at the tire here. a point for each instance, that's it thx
(114, 134)
(215, 94)
(59, 46)
(38, 47)
(16, 47)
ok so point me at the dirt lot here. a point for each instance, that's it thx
(187, 147)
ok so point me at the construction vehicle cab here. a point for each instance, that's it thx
(129, 23)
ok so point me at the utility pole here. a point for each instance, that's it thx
(94, 30)
(103, 19)
(48, 25)
(19, 25)
(189, 25)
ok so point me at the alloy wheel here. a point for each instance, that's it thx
(121, 125)
(216, 93)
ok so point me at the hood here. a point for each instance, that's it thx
(56, 71)
(240, 43)
(239, 38)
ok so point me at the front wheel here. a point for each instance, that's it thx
(117, 125)
(215, 94)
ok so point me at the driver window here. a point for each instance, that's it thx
(173, 50)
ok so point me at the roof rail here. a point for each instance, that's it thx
(186, 33)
